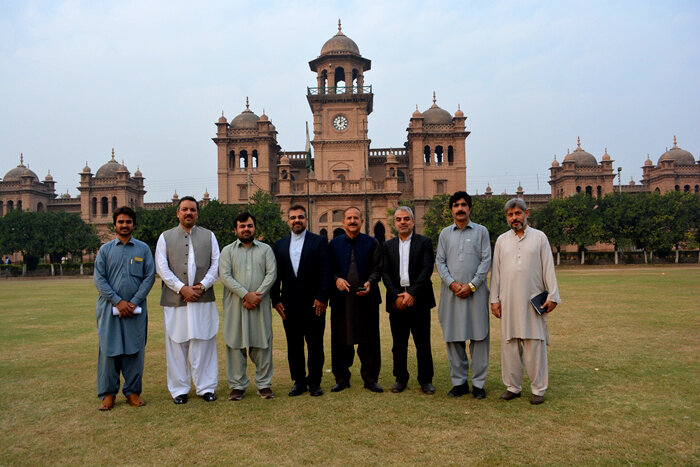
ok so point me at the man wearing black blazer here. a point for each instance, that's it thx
(408, 264)
(300, 296)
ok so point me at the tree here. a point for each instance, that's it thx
(437, 217)
(69, 234)
(550, 220)
(269, 227)
(490, 213)
(684, 213)
(219, 218)
(582, 224)
(619, 215)
(21, 231)
(151, 223)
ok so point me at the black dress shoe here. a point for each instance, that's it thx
(398, 386)
(428, 388)
(459, 391)
(478, 393)
(181, 399)
(340, 386)
(298, 389)
(373, 386)
(209, 396)
(315, 390)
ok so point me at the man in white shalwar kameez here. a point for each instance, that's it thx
(523, 268)
(187, 259)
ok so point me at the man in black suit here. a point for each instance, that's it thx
(408, 264)
(304, 276)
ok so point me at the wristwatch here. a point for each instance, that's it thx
(204, 288)
(472, 286)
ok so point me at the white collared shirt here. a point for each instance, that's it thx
(296, 244)
(404, 251)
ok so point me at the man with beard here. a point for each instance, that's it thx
(357, 266)
(187, 259)
(407, 266)
(124, 274)
(523, 268)
(463, 261)
(303, 274)
(247, 270)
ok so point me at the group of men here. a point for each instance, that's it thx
(299, 277)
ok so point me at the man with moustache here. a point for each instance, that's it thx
(187, 259)
(407, 266)
(304, 277)
(463, 261)
(124, 274)
(357, 265)
(248, 271)
(523, 268)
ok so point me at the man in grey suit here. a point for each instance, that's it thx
(463, 261)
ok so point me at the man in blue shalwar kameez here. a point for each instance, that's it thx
(124, 274)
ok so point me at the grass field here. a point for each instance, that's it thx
(624, 378)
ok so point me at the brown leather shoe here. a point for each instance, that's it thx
(107, 403)
(508, 396)
(266, 393)
(135, 400)
(236, 394)
(536, 400)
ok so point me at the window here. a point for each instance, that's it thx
(105, 206)
(450, 155)
(243, 160)
(401, 176)
(426, 155)
(94, 206)
(114, 203)
(254, 162)
(438, 155)
(232, 160)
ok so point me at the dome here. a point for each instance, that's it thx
(677, 155)
(581, 158)
(263, 117)
(49, 177)
(459, 112)
(246, 119)
(488, 189)
(20, 171)
(109, 169)
(122, 168)
(555, 162)
(138, 172)
(284, 160)
(416, 113)
(391, 157)
(435, 115)
(340, 44)
(648, 161)
(606, 156)
(86, 169)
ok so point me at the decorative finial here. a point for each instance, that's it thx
(340, 29)
(49, 171)
(416, 107)
(122, 161)
(247, 106)
(578, 142)
(21, 160)
(675, 146)
(222, 112)
(112, 153)
(434, 99)
(555, 157)
(458, 107)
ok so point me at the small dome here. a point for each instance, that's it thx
(606, 156)
(340, 44)
(122, 168)
(222, 119)
(109, 169)
(519, 189)
(648, 161)
(20, 171)
(632, 181)
(459, 112)
(206, 195)
(488, 189)
(416, 113)
(677, 155)
(555, 162)
(49, 177)
(284, 159)
(138, 172)
(246, 119)
(391, 157)
(86, 169)
(581, 158)
(435, 115)
(263, 117)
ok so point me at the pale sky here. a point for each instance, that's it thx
(150, 79)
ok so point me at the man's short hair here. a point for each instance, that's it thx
(242, 217)
(296, 207)
(187, 198)
(124, 210)
(461, 195)
(515, 202)
(406, 209)
(352, 207)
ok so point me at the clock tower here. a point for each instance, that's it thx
(340, 104)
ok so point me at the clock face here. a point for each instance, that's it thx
(340, 123)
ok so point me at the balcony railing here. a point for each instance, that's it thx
(339, 90)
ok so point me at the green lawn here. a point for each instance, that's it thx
(624, 378)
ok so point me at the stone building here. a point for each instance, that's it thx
(345, 170)
(676, 170)
(581, 172)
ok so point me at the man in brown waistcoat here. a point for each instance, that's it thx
(187, 259)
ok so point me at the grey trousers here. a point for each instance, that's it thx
(531, 352)
(459, 363)
(237, 364)
(108, 369)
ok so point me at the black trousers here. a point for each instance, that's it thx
(344, 355)
(299, 327)
(416, 322)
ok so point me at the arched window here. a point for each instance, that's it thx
(589, 190)
(94, 206)
(324, 233)
(426, 155)
(243, 192)
(337, 215)
(338, 232)
(2, 213)
(284, 174)
(355, 75)
(341, 177)
(401, 176)
(379, 232)
(599, 191)
(697, 188)
(678, 188)
(657, 190)
(324, 218)
(232, 160)
(254, 162)
(686, 188)
(392, 172)
(578, 189)
(324, 82)
(450, 155)
(438, 155)
(114, 203)
(105, 206)
(243, 160)
(19, 204)
(10, 205)
(40, 207)
(340, 80)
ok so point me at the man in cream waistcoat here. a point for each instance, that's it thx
(187, 259)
